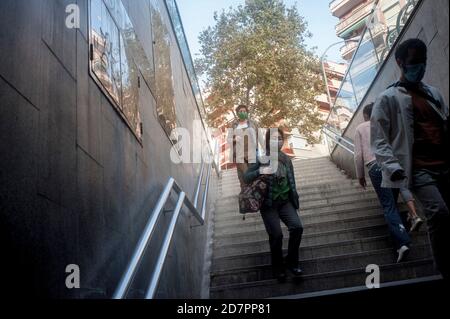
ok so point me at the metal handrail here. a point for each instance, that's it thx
(337, 135)
(199, 184)
(338, 141)
(162, 255)
(138, 254)
(205, 198)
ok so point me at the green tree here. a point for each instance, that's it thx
(256, 55)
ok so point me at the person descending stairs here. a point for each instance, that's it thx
(344, 232)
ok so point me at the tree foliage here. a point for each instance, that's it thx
(256, 55)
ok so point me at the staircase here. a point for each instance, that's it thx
(344, 231)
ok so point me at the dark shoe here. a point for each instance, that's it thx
(296, 271)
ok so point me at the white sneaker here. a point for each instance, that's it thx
(402, 253)
(415, 224)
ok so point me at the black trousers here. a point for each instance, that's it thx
(271, 216)
(432, 188)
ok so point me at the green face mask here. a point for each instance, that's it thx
(243, 115)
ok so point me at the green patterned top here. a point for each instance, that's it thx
(281, 186)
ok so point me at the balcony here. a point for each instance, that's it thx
(334, 84)
(348, 49)
(356, 16)
(335, 69)
(323, 99)
(340, 7)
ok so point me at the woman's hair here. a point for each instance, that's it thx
(268, 133)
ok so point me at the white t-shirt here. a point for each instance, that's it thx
(242, 126)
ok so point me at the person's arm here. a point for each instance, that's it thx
(293, 173)
(380, 125)
(251, 173)
(359, 156)
(447, 122)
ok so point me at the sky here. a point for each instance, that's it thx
(197, 15)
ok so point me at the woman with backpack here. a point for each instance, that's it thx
(280, 203)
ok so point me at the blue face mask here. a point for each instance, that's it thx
(414, 72)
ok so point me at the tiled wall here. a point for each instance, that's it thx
(76, 186)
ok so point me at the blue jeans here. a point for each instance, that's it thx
(388, 200)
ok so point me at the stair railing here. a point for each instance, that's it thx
(340, 140)
(171, 185)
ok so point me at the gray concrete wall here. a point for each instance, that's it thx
(76, 187)
(430, 24)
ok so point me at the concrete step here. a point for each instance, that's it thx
(314, 251)
(299, 177)
(232, 175)
(263, 271)
(223, 211)
(308, 246)
(321, 182)
(313, 166)
(343, 183)
(302, 172)
(232, 203)
(312, 188)
(309, 217)
(256, 242)
(352, 222)
(315, 194)
(338, 192)
(322, 281)
(317, 228)
(320, 161)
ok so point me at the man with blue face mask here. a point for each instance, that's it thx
(410, 140)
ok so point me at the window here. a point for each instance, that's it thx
(390, 11)
(164, 88)
(105, 53)
(118, 61)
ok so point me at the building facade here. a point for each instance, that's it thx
(296, 142)
(355, 15)
(424, 19)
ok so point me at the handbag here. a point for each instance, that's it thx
(253, 195)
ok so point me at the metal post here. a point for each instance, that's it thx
(323, 67)
(165, 248)
(199, 183)
(205, 192)
(125, 282)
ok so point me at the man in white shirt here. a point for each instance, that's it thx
(243, 137)
(364, 157)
